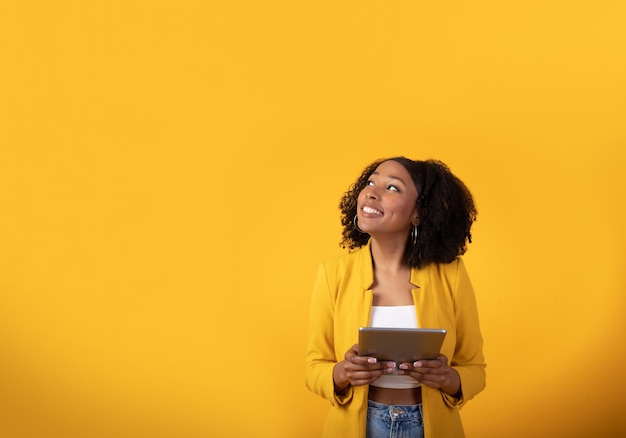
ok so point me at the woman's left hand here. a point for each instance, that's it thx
(434, 373)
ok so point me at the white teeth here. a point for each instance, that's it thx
(370, 210)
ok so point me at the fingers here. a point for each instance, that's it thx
(352, 356)
(433, 373)
(426, 366)
(358, 378)
(363, 370)
(368, 362)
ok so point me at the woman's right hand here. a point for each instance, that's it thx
(358, 370)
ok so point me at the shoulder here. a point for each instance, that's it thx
(355, 266)
(448, 269)
(444, 273)
(343, 261)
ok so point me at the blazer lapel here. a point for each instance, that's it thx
(423, 298)
(366, 280)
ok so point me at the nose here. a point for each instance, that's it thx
(373, 194)
(370, 192)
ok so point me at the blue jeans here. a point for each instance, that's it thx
(394, 421)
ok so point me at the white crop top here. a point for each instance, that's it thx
(397, 317)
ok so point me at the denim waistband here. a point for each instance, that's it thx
(397, 412)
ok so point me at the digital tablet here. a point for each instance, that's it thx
(400, 344)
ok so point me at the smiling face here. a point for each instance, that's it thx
(387, 203)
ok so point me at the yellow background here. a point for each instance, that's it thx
(169, 180)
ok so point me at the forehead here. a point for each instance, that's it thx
(393, 169)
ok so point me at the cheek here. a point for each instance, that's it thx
(361, 196)
(408, 212)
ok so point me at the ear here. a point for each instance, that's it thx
(415, 221)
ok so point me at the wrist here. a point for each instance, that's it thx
(453, 386)
(340, 380)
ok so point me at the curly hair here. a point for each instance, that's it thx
(445, 206)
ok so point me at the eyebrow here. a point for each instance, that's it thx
(391, 177)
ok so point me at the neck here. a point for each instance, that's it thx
(388, 254)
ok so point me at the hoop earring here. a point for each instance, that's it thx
(356, 226)
(414, 235)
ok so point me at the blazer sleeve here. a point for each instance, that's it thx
(468, 358)
(320, 355)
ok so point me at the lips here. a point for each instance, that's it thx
(371, 210)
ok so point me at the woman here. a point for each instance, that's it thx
(406, 224)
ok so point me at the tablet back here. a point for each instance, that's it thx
(400, 344)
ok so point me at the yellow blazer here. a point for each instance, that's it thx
(341, 303)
